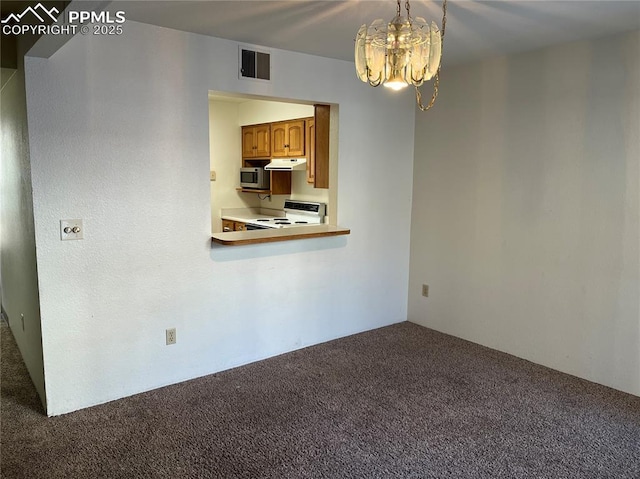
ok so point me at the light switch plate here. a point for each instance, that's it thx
(212, 175)
(71, 230)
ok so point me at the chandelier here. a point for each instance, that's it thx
(406, 51)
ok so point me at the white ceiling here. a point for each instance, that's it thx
(475, 29)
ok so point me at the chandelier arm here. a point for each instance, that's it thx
(373, 82)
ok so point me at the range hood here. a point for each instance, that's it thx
(287, 164)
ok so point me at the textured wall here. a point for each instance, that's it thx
(120, 138)
(526, 206)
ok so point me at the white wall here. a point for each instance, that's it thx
(18, 270)
(120, 138)
(526, 206)
(262, 111)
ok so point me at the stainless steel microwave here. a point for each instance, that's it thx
(254, 177)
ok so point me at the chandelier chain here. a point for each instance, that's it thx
(444, 17)
(436, 80)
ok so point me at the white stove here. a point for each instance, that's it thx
(297, 213)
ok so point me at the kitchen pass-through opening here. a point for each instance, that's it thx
(273, 163)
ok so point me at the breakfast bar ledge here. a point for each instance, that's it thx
(237, 238)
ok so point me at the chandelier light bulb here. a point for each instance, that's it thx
(395, 82)
(395, 86)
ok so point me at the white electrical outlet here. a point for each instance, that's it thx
(71, 230)
(425, 290)
(171, 336)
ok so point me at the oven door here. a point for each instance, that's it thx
(256, 227)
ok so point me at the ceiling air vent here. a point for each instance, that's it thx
(255, 64)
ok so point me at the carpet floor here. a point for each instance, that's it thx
(398, 402)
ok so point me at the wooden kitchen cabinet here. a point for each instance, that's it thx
(228, 225)
(287, 139)
(321, 133)
(303, 137)
(280, 181)
(311, 149)
(256, 141)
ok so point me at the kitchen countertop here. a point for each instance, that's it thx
(246, 214)
(237, 238)
(245, 218)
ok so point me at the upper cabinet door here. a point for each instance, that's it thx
(295, 141)
(248, 141)
(311, 151)
(321, 121)
(279, 139)
(263, 140)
